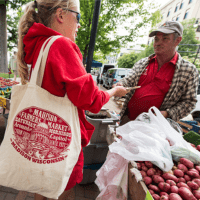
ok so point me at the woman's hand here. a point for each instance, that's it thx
(117, 84)
(118, 91)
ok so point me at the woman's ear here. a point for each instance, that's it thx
(59, 15)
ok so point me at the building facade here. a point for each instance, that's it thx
(179, 10)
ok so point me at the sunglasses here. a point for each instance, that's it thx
(78, 16)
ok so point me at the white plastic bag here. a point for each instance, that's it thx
(180, 148)
(143, 142)
(112, 178)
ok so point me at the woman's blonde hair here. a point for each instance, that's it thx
(43, 14)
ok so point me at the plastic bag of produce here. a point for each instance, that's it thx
(141, 141)
(180, 148)
(112, 178)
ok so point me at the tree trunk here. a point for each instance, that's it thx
(3, 40)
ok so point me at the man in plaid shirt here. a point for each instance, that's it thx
(167, 80)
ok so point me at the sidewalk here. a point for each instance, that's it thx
(83, 192)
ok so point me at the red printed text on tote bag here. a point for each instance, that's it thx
(41, 136)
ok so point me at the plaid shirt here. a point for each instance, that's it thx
(181, 98)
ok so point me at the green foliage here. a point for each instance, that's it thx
(127, 60)
(113, 14)
(190, 59)
(189, 34)
(13, 20)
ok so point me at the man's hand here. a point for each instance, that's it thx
(164, 113)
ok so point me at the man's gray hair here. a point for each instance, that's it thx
(176, 35)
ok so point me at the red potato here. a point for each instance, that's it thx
(157, 179)
(147, 180)
(181, 184)
(151, 191)
(187, 162)
(196, 193)
(174, 189)
(187, 178)
(163, 194)
(151, 172)
(197, 167)
(144, 168)
(197, 181)
(158, 172)
(181, 180)
(165, 187)
(193, 185)
(182, 167)
(193, 173)
(178, 173)
(143, 173)
(156, 197)
(148, 164)
(139, 166)
(172, 183)
(198, 147)
(174, 196)
(164, 197)
(186, 194)
(168, 176)
(154, 188)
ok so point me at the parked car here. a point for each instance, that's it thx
(196, 112)
(113, 76)
(102, 72)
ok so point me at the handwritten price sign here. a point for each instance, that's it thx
(2, 102)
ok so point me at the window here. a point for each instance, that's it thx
(190, 1)
(178, 17)
(198, 28)
(177, 6)
(174, 19)
(181, 6)
(186, 14)
(168, 12)
(197, 21)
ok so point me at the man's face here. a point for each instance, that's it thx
(165, 44)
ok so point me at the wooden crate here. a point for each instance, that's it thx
(136, 190)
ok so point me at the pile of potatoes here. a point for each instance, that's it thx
(180, 183)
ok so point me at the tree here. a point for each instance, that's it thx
(13, 20)
(189, 33)
(113, 13)
(127, 60)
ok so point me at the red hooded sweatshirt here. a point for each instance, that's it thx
(65, 73)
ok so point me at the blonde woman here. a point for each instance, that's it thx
(64, 72)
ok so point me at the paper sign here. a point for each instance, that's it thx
(148, 196)
(2, 102)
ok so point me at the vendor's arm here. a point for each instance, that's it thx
(188, 99)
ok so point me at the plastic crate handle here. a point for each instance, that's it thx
(107, 122)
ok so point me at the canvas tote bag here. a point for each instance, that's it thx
(42, 141)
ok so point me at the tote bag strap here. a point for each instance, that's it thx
(38, 72)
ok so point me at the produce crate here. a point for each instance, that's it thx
(89, 173)
(137, 190)
(95, 153)
(189, 126)
(101, 126)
